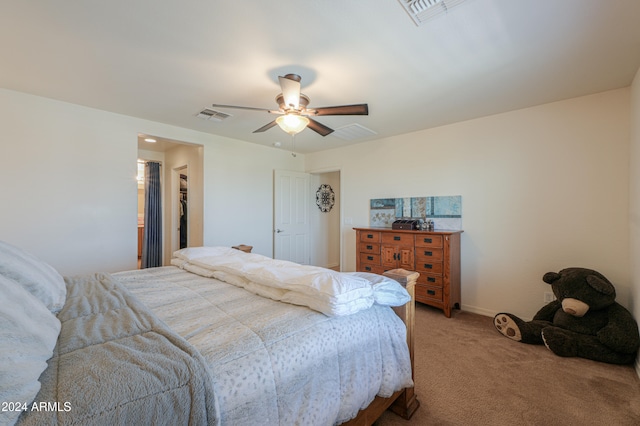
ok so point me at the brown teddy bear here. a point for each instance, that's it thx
(584, 321)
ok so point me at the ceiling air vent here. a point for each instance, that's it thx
(352, 131)
(423, 10)
(212, 114)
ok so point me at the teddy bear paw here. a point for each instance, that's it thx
(507, 326)
(559, 342)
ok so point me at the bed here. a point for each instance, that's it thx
(221, 337)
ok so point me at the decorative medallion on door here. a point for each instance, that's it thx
(325, 198)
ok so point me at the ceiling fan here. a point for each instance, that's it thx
(293, 111)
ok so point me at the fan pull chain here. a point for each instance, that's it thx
(293, 145)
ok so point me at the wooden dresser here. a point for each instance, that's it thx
(434, 254)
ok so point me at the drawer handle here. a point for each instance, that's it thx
(428, 266)
(397, 238)
(431, 292)
(367, 268)
(369, 236)
(431, 279)
(428, 240)
(369, 247)
(369, 257)
(428, 253)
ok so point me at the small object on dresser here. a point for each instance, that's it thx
(244, 248)
(405, 224)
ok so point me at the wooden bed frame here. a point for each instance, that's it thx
(404, 402)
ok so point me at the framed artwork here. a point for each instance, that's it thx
(325, 198)
(445, 211)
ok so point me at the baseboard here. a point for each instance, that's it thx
(479, 311)
(485, 312)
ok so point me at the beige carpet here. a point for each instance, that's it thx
(469, 374)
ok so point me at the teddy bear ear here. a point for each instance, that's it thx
(550, 277)
(600, 285)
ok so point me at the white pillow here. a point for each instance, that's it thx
(37, 277)
(386, 291)
(190, 253)
(28, 336)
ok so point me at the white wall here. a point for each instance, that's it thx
(634, 201)
(542, 188)
(238, 193)
(69, 192)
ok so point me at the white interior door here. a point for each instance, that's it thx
(291, 216)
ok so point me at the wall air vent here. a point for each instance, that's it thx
(423, 10)
(352, 131)
(212, 114)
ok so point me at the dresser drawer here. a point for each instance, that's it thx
(429, 254)
(370, 258)
(370, 248)
(434, 280)
(398, 239)
(374, 269)
(429, 267)
(373, 237)
(429, 241)
(428, 292)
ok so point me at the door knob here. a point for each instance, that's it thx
(279, 230)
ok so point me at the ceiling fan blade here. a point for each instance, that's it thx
(319, 128)
(265, 127)
(290, 85)
(358, 109)
(243, 107)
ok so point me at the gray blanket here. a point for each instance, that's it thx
(115, 363)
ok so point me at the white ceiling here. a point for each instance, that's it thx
(165, 60)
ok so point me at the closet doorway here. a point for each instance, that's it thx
(325, 218)
(182, 215)
(182, 198)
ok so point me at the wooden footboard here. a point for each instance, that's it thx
(404, 402)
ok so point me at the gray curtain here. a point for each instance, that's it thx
(152, 237)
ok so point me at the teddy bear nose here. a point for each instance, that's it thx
(574, 307)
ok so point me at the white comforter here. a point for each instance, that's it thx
(330, 292)
(274, 363)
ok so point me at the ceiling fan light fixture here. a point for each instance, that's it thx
(292, 123)
(293, 115)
